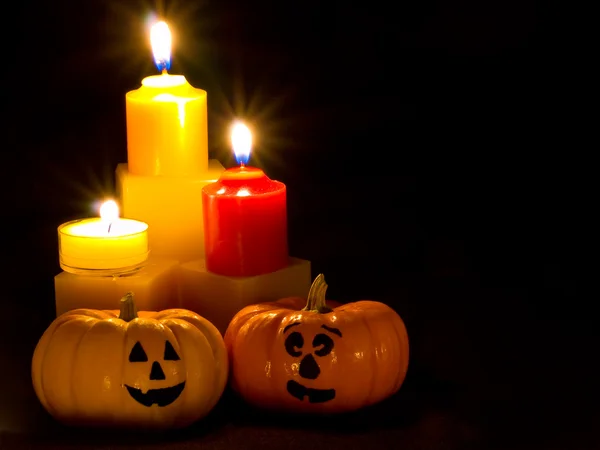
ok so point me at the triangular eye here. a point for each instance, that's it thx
(137, 353)
(170, 353)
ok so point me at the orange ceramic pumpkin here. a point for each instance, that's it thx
(317, 359)
(119, 368)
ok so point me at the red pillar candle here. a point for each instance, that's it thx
(245, 218)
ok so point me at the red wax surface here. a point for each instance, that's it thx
(245, 223)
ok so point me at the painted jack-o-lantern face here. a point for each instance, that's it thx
(162, 369)
(308, 368)
(162, 396)
(306, 356)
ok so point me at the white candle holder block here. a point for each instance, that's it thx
(155, 287)
(172, 208)
(218, 298)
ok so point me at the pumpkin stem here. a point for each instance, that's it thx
(128, 309)
(316, 296)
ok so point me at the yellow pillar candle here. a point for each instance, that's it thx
(104, 245)
(167, 132)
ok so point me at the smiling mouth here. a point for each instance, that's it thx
(314, 395)
(160, 397)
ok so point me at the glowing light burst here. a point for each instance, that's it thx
(241, 141)
(160, 38)
(272, 126)
(109, 211)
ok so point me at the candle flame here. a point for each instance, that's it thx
(241, 141)
(109, 211)
(160, 38)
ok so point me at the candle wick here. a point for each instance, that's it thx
(164, 71)
(242, 165)
(109, 225)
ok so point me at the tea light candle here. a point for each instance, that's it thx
(107, 245)
(245, 217)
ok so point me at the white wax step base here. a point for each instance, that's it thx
(218, 298)
(155, 288)
(172, 208)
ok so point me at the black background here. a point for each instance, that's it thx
(437, 156)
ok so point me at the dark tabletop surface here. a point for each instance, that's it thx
(435, 159)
